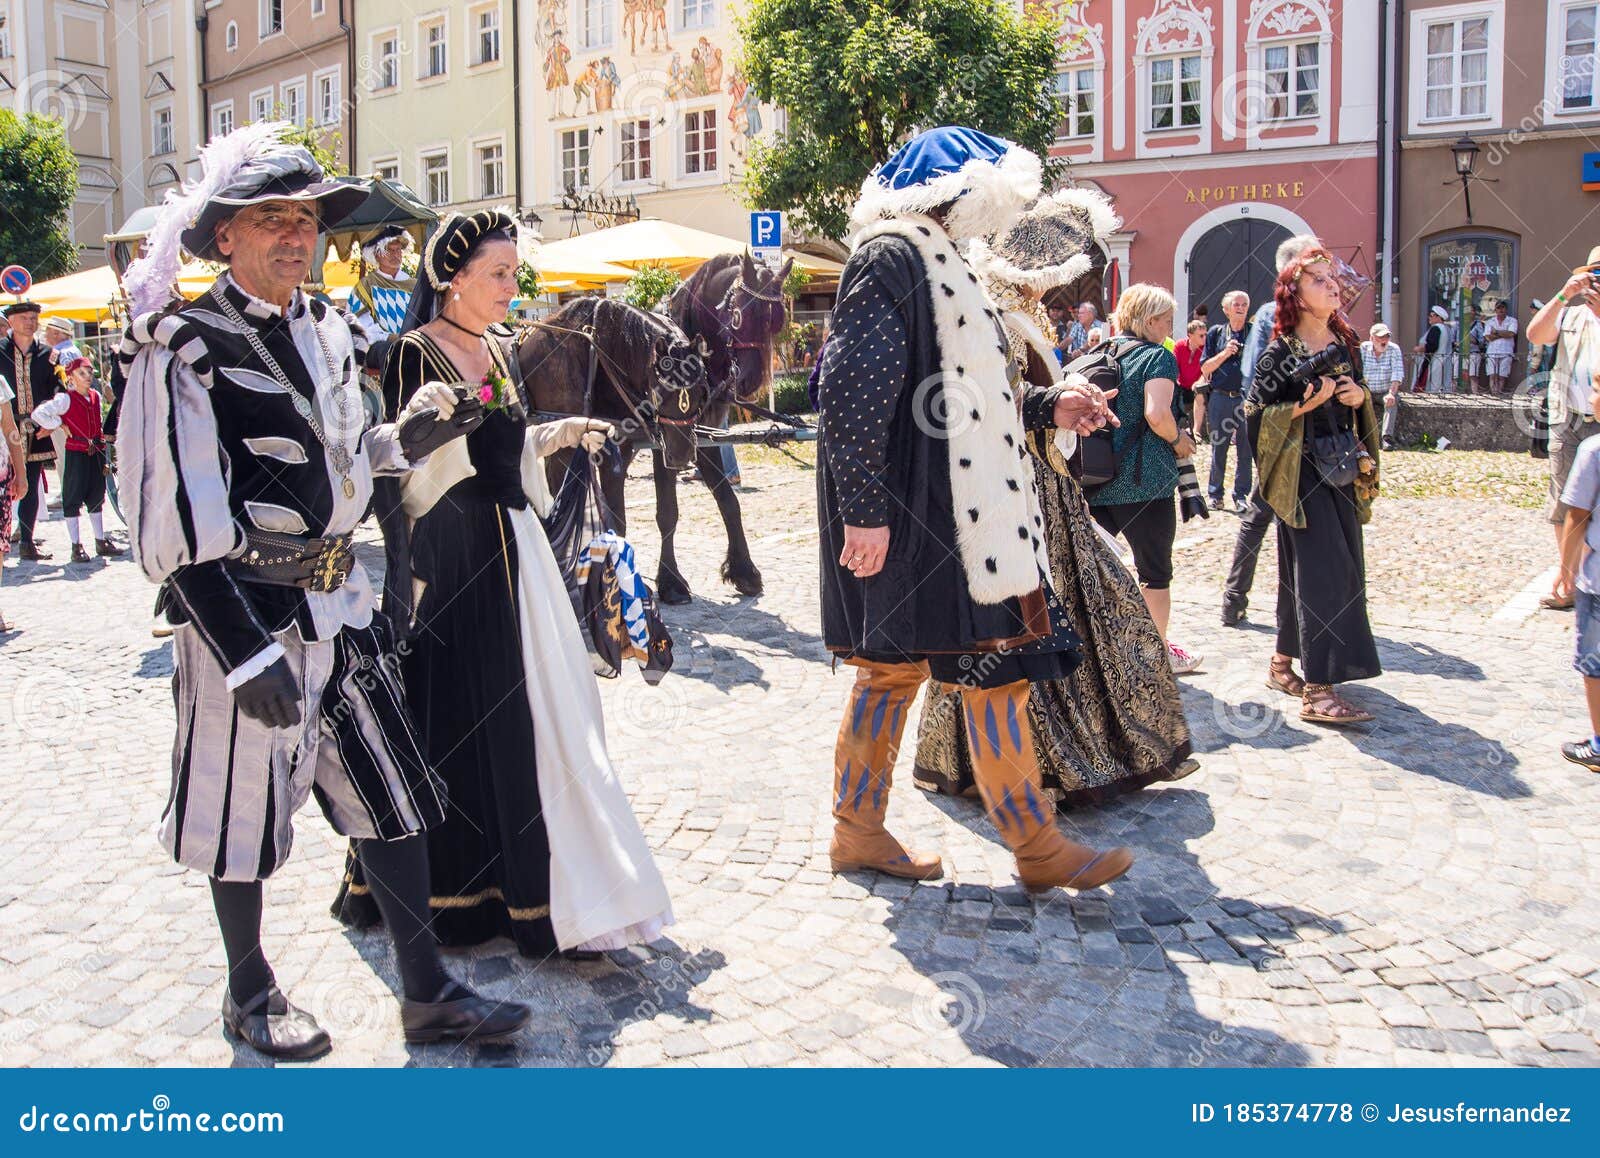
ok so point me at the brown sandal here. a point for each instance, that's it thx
(1283, 678)
(1322, 705)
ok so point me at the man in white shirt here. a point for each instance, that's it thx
(1571, 322)
(1501, 333)
(1384, 368)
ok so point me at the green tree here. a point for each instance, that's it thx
(326, 147)
(650, 286)
(859, 76)
(38, 181)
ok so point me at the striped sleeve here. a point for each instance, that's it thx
(173, 480)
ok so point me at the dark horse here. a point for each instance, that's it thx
(605, 358)
(733, 308)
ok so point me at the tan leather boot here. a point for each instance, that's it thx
(1007, 771)
(869, 742)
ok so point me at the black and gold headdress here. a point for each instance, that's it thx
(453, 242)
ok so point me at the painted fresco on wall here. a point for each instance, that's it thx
(644, 71)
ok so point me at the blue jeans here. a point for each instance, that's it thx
(1225, 421)
(1586, 654)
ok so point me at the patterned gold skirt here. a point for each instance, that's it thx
(1116, 723)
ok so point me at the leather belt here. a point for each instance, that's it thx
(282, 560)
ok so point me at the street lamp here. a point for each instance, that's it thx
(1466, 152)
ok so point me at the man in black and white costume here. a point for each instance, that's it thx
(246, 462)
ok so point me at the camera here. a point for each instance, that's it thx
(1191, 503)
(1331, 362)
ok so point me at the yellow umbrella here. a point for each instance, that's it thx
(575, 271)
(653, 242)
(84, 296)
(643, 243)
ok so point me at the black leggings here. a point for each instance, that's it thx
(1150, 527)
(28, 508)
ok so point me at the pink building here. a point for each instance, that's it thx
(1220, 128)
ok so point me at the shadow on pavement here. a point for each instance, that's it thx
(1406, 737)
(1094, 979)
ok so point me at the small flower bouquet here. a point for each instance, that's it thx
(496, 392)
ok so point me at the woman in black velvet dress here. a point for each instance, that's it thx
(1317, 447)
(538, 843)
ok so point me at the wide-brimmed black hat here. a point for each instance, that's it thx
(22, 308)
(278, 172)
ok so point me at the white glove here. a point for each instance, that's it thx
(435, 394)
(589, 433)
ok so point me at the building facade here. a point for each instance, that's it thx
(437, 99)
(1519, 79)
(1220, 128)
(123, 77)
(288, 59)
(639, 101)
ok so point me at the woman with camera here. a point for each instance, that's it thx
(1139, 502)
(1316, 438)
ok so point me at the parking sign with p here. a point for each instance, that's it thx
(766, 229)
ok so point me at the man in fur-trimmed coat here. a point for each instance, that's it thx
(933, 564)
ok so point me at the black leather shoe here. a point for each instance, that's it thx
(465, 1018)
(107, 548)
(32, 551)
(1232, 611)
(273, 1027)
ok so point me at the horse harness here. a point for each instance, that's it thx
(686, 411)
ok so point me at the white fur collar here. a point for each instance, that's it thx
(999, 529)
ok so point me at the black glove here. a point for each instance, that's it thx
(376, 353)
(272, 698)
(423, 433)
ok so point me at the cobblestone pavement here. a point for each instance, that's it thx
(1421, 892)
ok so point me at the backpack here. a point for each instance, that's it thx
(1095, 462)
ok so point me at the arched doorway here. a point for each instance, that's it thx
(1234, 255)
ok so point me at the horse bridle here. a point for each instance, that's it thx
(688, 414)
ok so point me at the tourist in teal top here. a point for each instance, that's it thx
(1140, 503)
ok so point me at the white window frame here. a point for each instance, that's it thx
(155, 125)
(1071, 88)
(298, 85)
(264, 10)
(704, 15)
(217, 129)
(1292, 72)
(474, 38)
(431, 153)
(648, 161)
(378, 58)
(392, 161)
(1175, 32)
(703, 176)
(584, 39)
(1555, 63)
(264, 111)
(1176, 60)
(230, 36)
(330, 75)
(1417, 118)
(425, 25)
(558, 166)
(480, 189)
